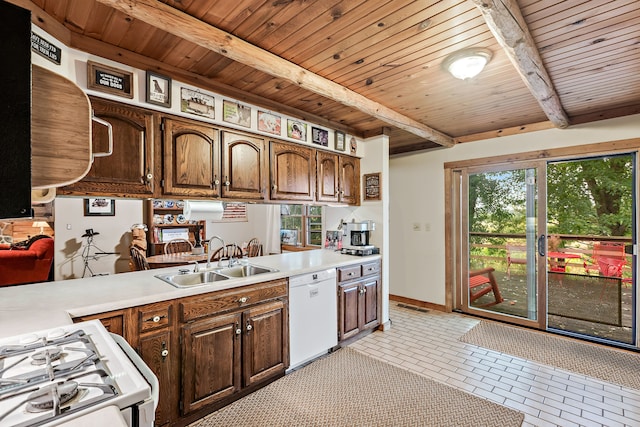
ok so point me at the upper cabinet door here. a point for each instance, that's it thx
(129, 169)
(244, 169)
(327, 177)
(293, 172)
(191, 158)
(349, 180)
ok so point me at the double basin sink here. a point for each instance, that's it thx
(186, 279)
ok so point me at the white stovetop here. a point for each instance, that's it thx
(31, 307)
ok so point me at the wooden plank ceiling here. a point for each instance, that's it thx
(388, 51)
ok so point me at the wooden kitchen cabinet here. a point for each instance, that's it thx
(292, 172)
(338, 178)
(128, 171)
(244, 166)
(191, 152)
(155, 341)
(233, 340)
(359, 296)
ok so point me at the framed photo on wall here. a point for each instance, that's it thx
(296, 130)
(99, 207)
(339, 142)
(270, 123)
(158, 89)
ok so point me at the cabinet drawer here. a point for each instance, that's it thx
(209, 304)
(370, 268)
(154, 316)
(348, 273)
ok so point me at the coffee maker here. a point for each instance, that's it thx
(356, 238)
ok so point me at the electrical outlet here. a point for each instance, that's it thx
(417, 226)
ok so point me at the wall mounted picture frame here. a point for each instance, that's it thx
(270, 123)
(108, 79)
(195, 102)
(233, 112)
(296, 130)
(99, 207)
(340, 141)
(319, 136)
(372, 184)
(158, 89)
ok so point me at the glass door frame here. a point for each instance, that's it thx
(461, 300)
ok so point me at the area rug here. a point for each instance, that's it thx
(348, 388)
(590, 359)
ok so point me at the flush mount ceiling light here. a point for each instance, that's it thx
(467, 63)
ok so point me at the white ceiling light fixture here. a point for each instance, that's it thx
(467, 63)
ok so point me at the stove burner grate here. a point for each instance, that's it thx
(51, 396)
(40, 357)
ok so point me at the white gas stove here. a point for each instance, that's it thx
(52, 376)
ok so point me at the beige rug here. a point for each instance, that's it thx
(348, 388)
(593, 360)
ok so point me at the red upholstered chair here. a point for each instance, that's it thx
(28, 264)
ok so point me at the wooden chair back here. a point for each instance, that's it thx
(226, 252)
(254, 248)
(177, 245)
(138, 259)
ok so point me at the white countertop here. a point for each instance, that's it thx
(26, 308)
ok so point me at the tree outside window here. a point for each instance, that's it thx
(301, 225)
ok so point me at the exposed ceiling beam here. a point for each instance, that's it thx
(510, 29)
(192, 29)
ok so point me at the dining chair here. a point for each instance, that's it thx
(177, 245)
(608, 259)
(138, 259)
(515, 255)
(226, 252)
(254, 248)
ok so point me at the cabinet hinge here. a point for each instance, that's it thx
(181, 406)
(162, 126)
(162, 183)
(180, 339)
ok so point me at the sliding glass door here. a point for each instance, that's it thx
(502, 236)
(550, 244)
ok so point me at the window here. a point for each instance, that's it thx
(301, 225)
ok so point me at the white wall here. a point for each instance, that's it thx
(417, 259)
(242, 232)
(115, 236)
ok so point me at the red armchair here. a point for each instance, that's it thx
(29, 264)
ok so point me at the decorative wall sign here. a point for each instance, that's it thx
(319, 136)
(45, 48)
(234, 212)
(99, 207)
(296, 130)
(109, 80)
(239, 114)
(158, 89)
(269, 123)
(372, 182)
(194, 102)
(339, 142)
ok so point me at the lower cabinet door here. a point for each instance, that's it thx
(156, 351)
(266, 341)
(348, 310)
(211, 360)
(370, 303)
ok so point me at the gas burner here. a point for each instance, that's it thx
(52, 354)
(51, 396)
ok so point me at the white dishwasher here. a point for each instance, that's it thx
(313, 315)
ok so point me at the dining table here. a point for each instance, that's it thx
(175, 259)
(558, 260)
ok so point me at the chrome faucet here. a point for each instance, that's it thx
(232, 256)
(209, 248)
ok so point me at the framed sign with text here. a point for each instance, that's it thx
(109, 80)
(372, 182)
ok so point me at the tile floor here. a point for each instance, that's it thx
(427, 343)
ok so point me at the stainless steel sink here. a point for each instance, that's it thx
(187, 280)
(184, 279)
(244, 270)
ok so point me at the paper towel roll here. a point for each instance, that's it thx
(199, 211)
